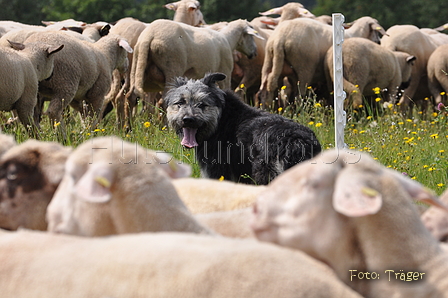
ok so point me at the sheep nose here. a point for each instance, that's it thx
(188, 120)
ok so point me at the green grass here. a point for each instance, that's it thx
(413, 145)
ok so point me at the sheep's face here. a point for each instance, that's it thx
(193, 110)
(296, 209)
(26, 187)
(246, 43)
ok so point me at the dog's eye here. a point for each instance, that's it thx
(201, 105)
(180, 102)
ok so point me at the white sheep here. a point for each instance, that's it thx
(168, 49)
(297, 48)
(158, 265)
(436, 220)
(437, 70)
(30, 174)
(129, 29)
(111, 186)
(368, 66)
(22, 67)
(349, 211)
(410, 39)
(83, 73)
(234, 223)
(187, 12)
(211, 195)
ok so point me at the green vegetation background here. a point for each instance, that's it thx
(427, 13)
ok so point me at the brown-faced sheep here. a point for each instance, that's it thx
(162, 265)
(412, 40)
(349, 211)
(83, 73)
(114, 187)
(22, 67)
(299, 46)
(437, 69)
(367, 66)
(29, 175)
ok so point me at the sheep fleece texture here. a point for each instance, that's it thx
(231, 138)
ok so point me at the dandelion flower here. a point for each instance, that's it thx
(147, 124)
(283, 87)
(242, 86)
(56, 124)
(311, 123)
(221, 178)
(440, 185)
(318, 124)
(280, 109)
(435, 136)
(377, 90)
(317, 105)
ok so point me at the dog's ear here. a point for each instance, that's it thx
(178, 81)
(212, 78)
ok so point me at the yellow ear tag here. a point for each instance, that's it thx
(102, 181)
(369, 192)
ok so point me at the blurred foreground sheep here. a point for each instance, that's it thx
(370, 224)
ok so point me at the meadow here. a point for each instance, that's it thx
(415, 145)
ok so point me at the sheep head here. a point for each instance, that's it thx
(29, 176)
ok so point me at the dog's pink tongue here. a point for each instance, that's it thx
(189, 139)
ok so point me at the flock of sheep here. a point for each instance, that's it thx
(114, 219)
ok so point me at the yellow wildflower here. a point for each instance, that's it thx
(318, 124)
(280, 109)
(377, 99)
(435, 136)
(221, 178)
(283, 87)
(56, 124)
(317, 105)
(311, 123)
(440, 185)
(377, 90)
(147, 124)
(442, 93)
(242, 86)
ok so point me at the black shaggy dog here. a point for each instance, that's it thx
(232, 139)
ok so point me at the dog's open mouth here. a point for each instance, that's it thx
(189, 139)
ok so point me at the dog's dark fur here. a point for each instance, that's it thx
(232, 139)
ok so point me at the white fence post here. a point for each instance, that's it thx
(339, 94)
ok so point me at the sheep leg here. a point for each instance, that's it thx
(25, 111)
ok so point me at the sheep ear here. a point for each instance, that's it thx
(417, 191)
(253, 32)
(276, 10)
(16, 45)
(352, 197)
(94, 186)
(53, 50)
(410, 59)
(125, 45)
(377, 27)
(171, 6)
(211, 79)
(172, 167)
(105, 30)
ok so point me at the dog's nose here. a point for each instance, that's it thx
(188, 120)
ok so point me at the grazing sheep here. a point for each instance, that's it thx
(187, 12)
(412, 40)
(211, 195)
(83, 73)
(300, 46)
(160, 265)
(246, 73)
(114, 187)
(22, 67)
(29, 175)
(436, 220)
(366, 66)
(168, 49)
(437, 69)
(357, 216)
(129, 29)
